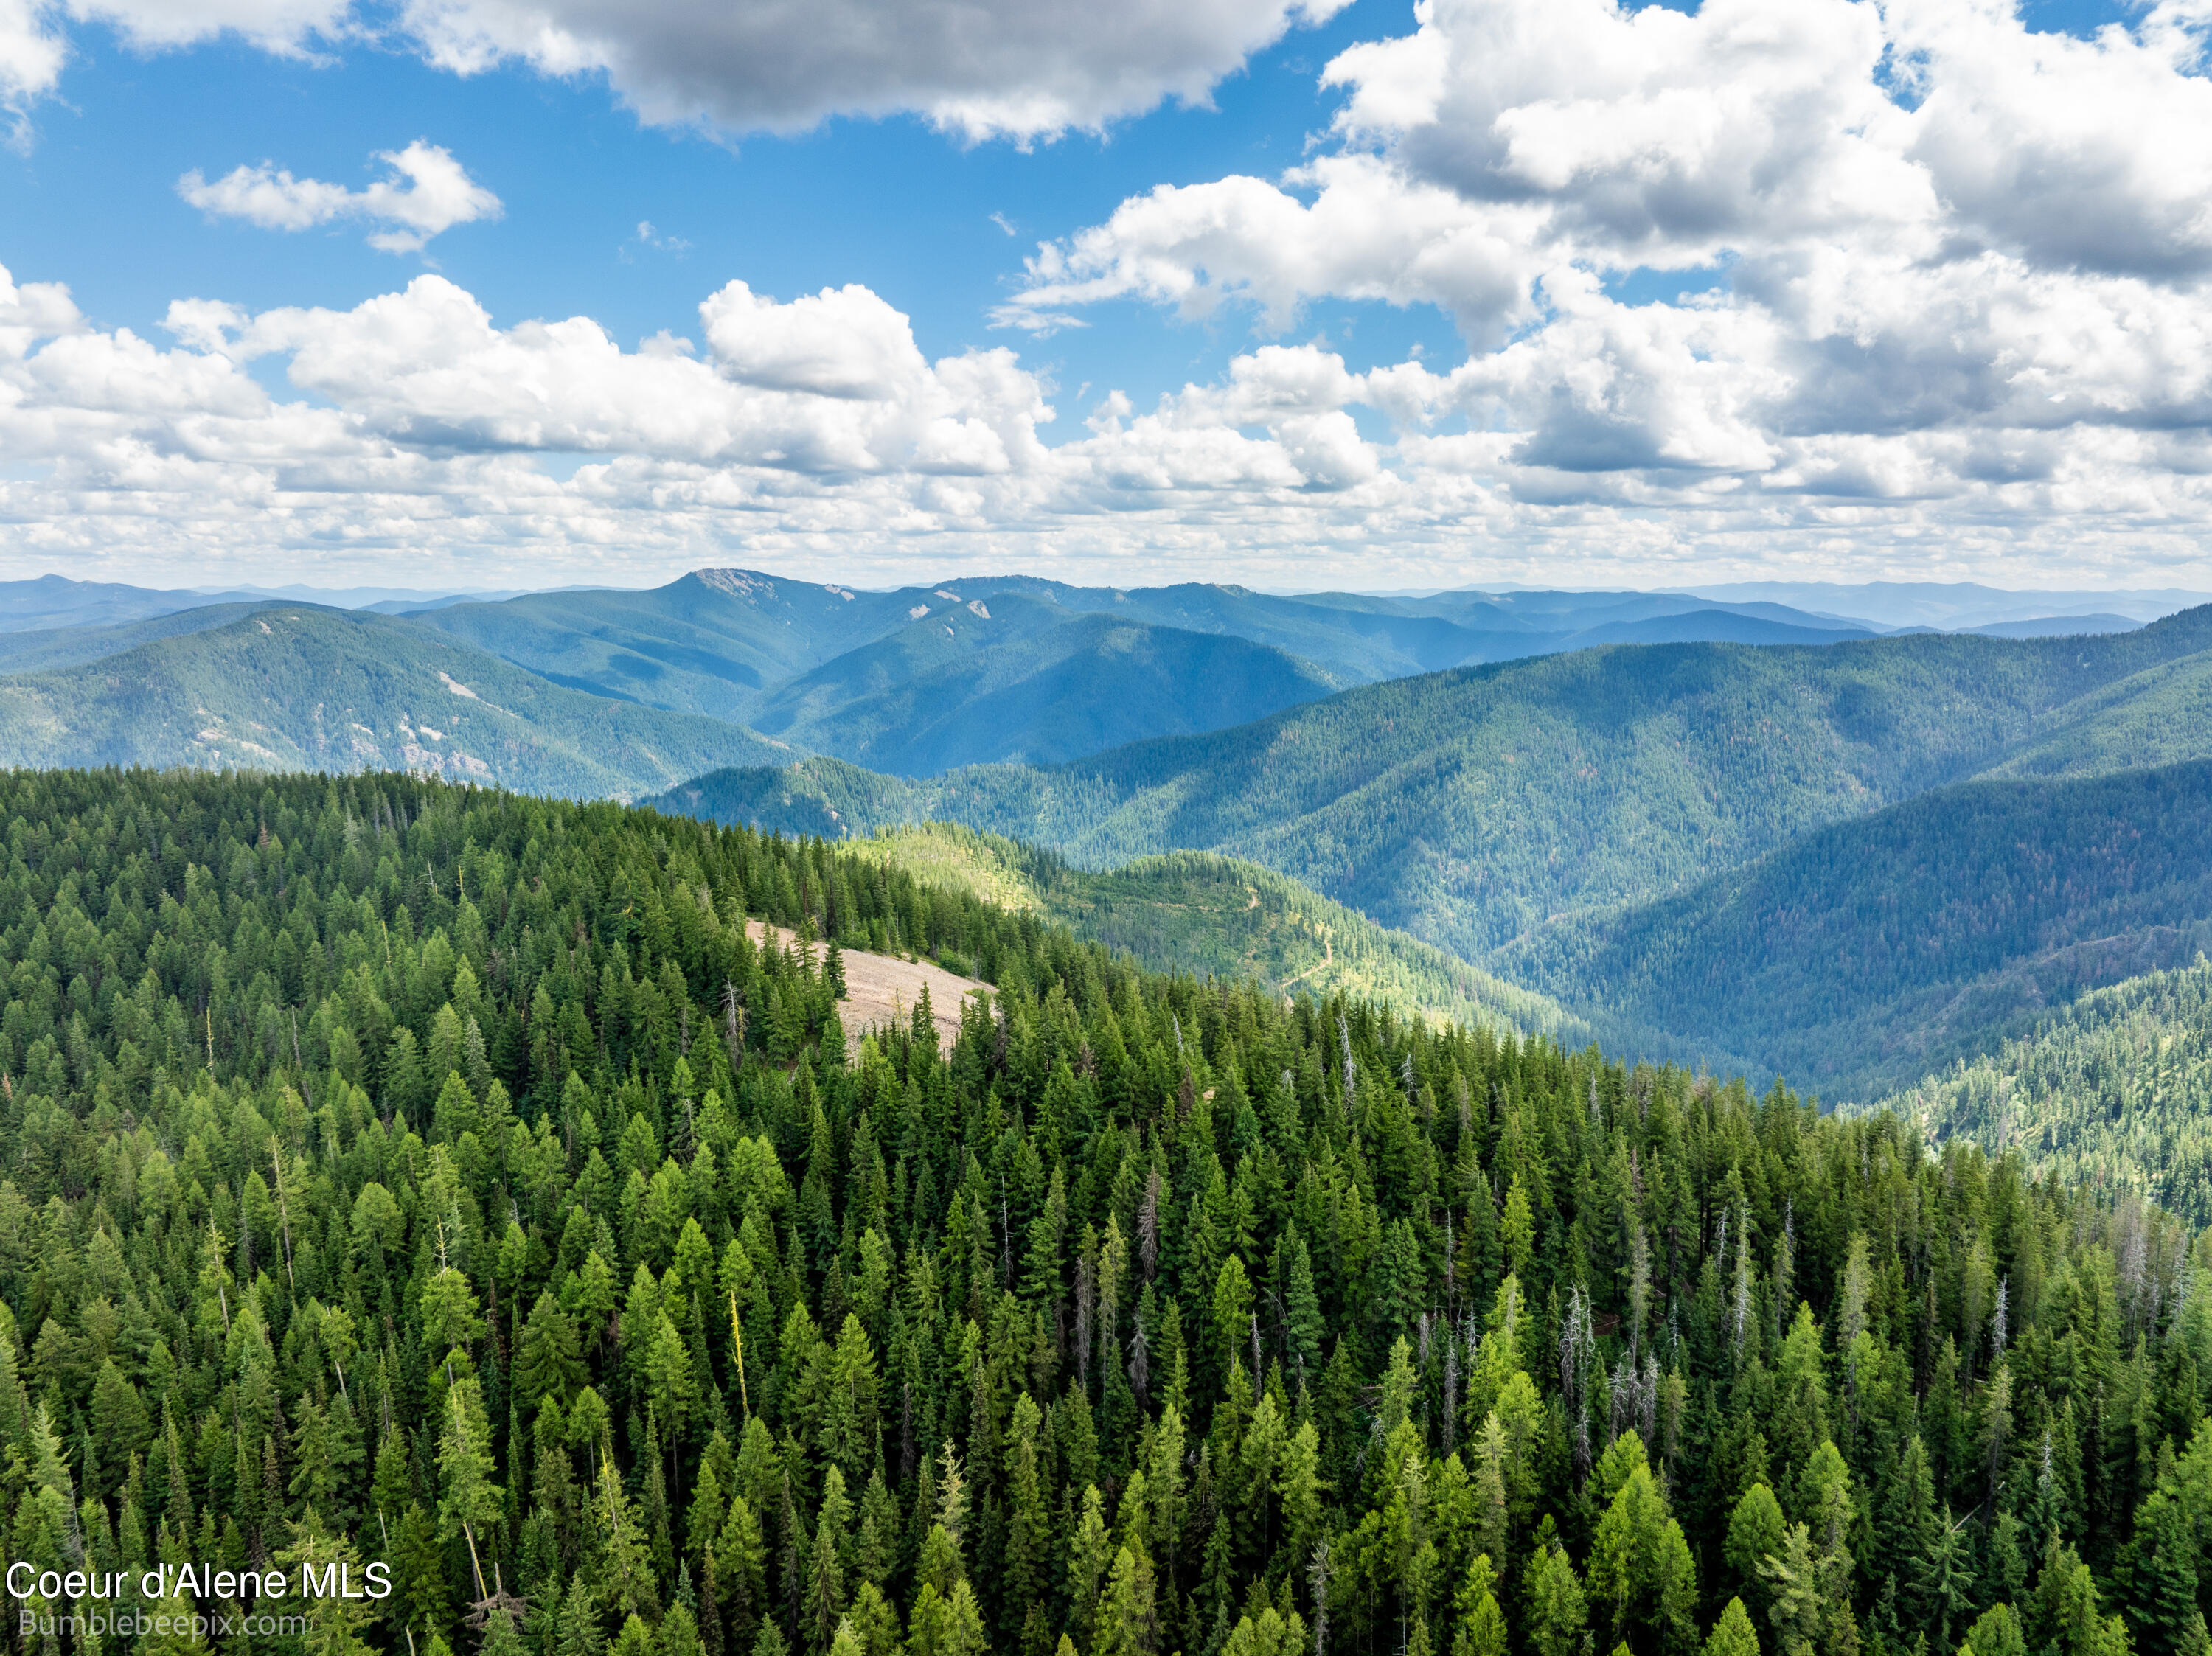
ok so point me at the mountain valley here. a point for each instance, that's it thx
(1492, 809)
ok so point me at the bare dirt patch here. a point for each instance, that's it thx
(881, 989)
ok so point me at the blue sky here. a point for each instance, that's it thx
(890, 202)
(1532, 382)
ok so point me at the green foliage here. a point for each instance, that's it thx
(1474, 806)
(2109, 1091)
(1149, 1313)
(1732, 1635)
(1196, 912)
(1889, 944)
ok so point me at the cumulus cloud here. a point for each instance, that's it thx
(31, 54)
(982, 69)
(33, 44)
(1022, 70)
(425, 192)
(418, 420)
(1939, 307)
(1614, 440)
(1942, 266)
(286, 27)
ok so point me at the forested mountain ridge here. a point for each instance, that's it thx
(710, 642)
(924, 678)
(1212, 916)
(32, 650)
(1091, 683)
(1472, 806)
(1861, 956)
(55, 600)
(719, 641)
(292, 686)
(2106, 1094)
(1323, 1324)
(2152, 717)
(941, 636)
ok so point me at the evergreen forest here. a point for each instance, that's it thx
(409, 1172)
(2108, 1091)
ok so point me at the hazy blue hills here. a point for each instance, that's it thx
(711, 642)
(2055, 626)
(930, 677)
(1358, 643)
(1703, 626)
(57, 601)
(290, 687)
(755, 648)
(29, 651)
(1859, 955)
(1954, 605)
(944, 633)
(1044, 693)
(1471, 807)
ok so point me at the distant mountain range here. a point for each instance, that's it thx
(1474, 806)
(913, 682)
(57, 601)
(926, 679)
(1565, 811)
(1955, 605)
(1900, 941)
(290, 687)
(1538, 818)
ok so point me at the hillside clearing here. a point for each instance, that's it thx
(882, 989)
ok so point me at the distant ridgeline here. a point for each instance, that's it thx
(396, 1171)
(1476, 806)
(1852, 865)
(1197, 913)
(2109, 1093)
(1901, 941)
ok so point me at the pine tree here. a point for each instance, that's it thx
(471, 1500)
(1089, 1556)
(1556, 1608)
(1733, 1633)
(548, 1365)
(1027, 1574)
(1129, 1618)
(1756, 1533)
(2162, 1574)
(1795, 1607)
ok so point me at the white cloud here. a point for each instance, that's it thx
(286, 27)
(982, 69)
(33, 46)
(1955, 271)
(1023, 69)
(1614, 441)
(425, 192)
(2093, 155)
(1965, 330)
(31, 54)
(1370, 233)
